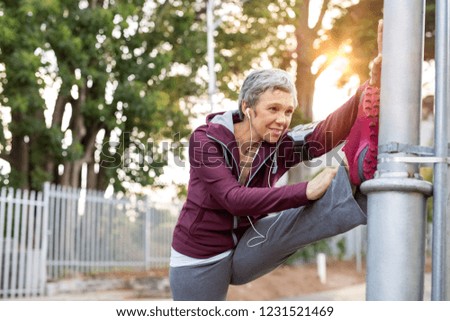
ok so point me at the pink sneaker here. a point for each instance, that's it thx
(361, 148)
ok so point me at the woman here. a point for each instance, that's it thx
(224, 234)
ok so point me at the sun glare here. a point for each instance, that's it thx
(328, 96)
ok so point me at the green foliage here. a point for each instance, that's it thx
(341, 246)
(427, 175)
(38, 176)
(430, 27)
(308, 253)
(115, 64)
(243, 39)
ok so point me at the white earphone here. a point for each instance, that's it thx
(259, 238)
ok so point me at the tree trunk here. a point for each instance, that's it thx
(75, 175)
(88, 158)
(79, 132)
(64, 179)
(305, 80)
(20, 161)
(58, 112)
(61, 101)
(92, 177)
(86, 136)
(305, 85)
(102, 179)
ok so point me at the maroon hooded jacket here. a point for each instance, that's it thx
(214, 216)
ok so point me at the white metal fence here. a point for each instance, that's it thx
(22, 243)
(65, 231)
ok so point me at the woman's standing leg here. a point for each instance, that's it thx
(201, 283)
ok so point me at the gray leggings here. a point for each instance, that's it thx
(336, 212)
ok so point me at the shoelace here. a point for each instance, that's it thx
(371, 108)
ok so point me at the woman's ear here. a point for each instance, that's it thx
(243, 109)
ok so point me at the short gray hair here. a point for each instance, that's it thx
(259, 81)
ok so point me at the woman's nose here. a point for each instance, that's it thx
(281, 118)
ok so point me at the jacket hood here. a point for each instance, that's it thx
(226, 119)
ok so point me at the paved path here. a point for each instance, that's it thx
(352, 293)
(107, 295)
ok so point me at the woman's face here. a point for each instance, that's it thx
(271, 116)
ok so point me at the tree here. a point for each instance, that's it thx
(299, 34)
(123, 72)
(358, 26)
(286, 33)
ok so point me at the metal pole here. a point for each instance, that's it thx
(397, 195)
(447, 106)
(210, 43)
(440, 195)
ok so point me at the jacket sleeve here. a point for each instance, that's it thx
(335, 128)
(208, 164)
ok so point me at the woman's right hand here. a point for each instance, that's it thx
(319, 184)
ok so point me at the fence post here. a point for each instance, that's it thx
(8, 237)
(2, 240)
(45, 235)
(147, 256)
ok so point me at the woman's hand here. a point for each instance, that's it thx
(319, 184)
(375, 75)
